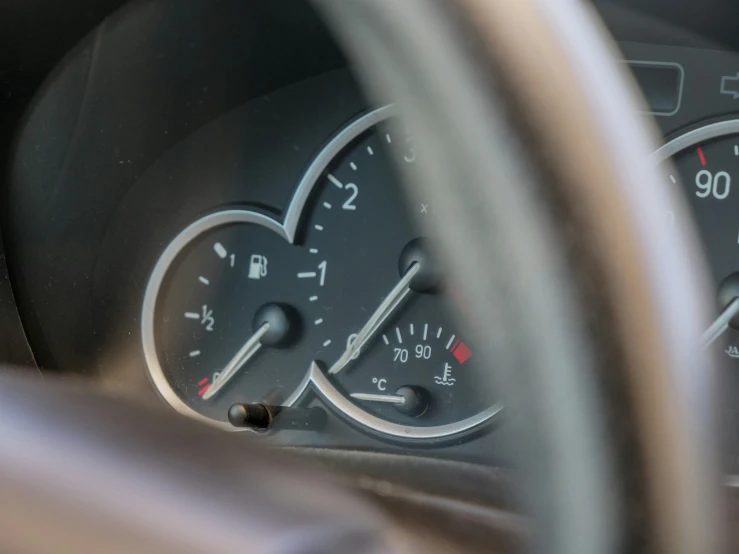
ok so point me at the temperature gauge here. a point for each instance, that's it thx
(421, 371)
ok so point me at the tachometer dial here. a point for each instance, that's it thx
(382, 331)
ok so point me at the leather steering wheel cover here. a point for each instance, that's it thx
(83, 473)
(653, 277)
(554, 63)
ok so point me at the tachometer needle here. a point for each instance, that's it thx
(378, 318)
(718, 327)
(389, 398)
(245, 353)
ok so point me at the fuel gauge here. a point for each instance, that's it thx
(219, 325)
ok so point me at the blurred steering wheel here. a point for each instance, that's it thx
(590, 309)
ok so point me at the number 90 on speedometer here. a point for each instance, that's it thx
(706, 166)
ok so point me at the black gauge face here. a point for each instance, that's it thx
(342, 297)
(416, 369)
(707, 168)
(206, 313)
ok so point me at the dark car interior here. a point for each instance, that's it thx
(368, 275)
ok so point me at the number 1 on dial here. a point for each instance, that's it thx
(322, 266)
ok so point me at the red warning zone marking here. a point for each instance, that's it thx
(701, 156)
(460, 351)
(202, 382)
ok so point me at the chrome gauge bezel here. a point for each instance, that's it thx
(696, 136)
(683, 142)
(314, 377)
(158, 275)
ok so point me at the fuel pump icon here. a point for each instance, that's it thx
(257, 266)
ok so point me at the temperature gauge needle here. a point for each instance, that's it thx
(389, 398)
(245, 353)
(378, 318)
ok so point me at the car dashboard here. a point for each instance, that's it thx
(205, 214)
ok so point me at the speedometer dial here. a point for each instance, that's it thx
(341, 296)
(706, 163)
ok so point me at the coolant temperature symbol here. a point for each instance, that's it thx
(446, 378)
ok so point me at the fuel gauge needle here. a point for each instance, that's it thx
(245, 353)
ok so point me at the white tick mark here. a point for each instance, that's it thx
(327, 205)
(195, 353)
(220, 250)
(335, 181)
(203, 280)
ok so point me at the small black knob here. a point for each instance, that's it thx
(256, 417)
(418, 251)
(284, 324)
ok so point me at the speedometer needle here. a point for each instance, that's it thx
(378, 318)
(245, 353)
(718, 327)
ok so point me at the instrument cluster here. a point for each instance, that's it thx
(243, 249)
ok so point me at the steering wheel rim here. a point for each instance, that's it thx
(649, 289)
(453, 67)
